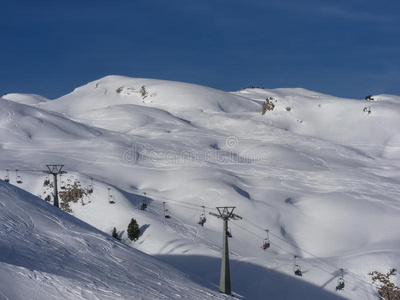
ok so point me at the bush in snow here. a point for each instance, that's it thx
(143, 92)
(133, 230)
(115, 234)
(386, 289)
(72, 193)
(369, 98)
(367, 110)
(267, 105)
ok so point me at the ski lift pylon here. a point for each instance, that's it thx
(297, 268)
(166, 212)
(340, 285)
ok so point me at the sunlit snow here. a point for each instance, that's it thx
(321, 173)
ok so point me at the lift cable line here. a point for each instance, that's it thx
(314, 265)
(23, 170)
(148, 195)
(225, 213)
(309, 253)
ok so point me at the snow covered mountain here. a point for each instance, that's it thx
(321, 173)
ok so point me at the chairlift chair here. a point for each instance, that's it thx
(266, 242)
(297, 268)
(111, 198)
(340, 283)
(62, 183)
(46, 181)
(203, 218)
(19, 178)
(228, 232)
(7, 177)
(166, 212)
(90, 187)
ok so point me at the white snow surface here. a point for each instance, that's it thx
(48, 254)
(25, 98)
(321, 173)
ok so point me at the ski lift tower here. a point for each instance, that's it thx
(55, 170)
(225, 213)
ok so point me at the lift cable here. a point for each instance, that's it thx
(309, 253)
(310, 263)
(168, 200)
(198, 207)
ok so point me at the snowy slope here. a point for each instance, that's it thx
(48, 254)
(30, 99)
(323, 177)
(172, 96)
(368, 126)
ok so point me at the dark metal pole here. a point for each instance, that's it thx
(55, 191)
(225, 280)
(55, 170)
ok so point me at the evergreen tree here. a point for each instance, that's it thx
(133, 230)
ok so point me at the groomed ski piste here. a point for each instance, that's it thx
(320, 173)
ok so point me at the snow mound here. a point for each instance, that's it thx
(167, 95)
(29, 123)
(29, 99)
(368, 126)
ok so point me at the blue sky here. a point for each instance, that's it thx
(347, 48)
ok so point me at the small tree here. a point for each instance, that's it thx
(115, 234)
(133, 230)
